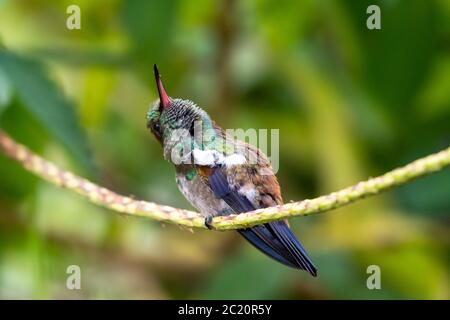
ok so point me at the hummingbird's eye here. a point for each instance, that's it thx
(157, 129)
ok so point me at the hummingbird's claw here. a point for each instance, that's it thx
(208, 221)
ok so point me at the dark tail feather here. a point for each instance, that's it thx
(293, 246)
(276, 240)
(254, 237)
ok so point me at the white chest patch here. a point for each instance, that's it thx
(213, 157)
(207, 157)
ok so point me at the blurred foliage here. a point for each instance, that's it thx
(44, 101)
(349, 102)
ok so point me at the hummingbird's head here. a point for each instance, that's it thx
(172, 121)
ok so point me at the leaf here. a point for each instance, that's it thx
(41, 96)
(428, 197)
(16, 183)
(398, 61)
(5, 90)
(150, 25)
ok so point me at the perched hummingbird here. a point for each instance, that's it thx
(220, 175)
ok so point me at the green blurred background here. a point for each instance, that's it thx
(350, 103)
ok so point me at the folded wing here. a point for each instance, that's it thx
(275, 239)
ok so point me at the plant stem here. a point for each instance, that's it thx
(127, 205)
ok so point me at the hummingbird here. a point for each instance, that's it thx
(221, 175)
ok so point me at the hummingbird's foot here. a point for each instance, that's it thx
(208, 221)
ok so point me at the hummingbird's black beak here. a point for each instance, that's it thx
(163, 97)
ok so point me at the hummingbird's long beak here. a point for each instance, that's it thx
(163, 96)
